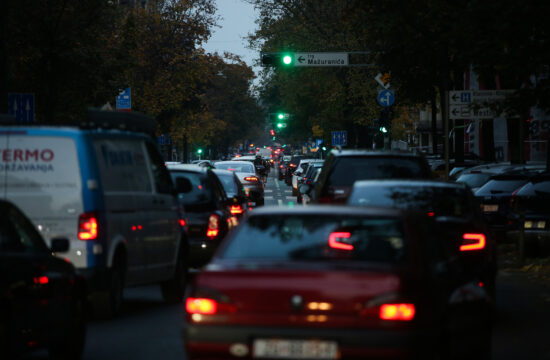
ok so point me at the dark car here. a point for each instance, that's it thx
(342, 168)
(455, 212)
(283, 166)
(234, 190)
(335, 282)
(494, 198)
(292, 167)
(252, 182)
(207, 209)
(308, 175)
(41, 297)
(530, 214)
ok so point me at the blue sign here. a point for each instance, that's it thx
(386, 98)
(124, 100)
(466, 97)
(21, 106)
(164, 139)
(339, 138)
(318, 142)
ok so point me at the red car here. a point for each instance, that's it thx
(335, 283)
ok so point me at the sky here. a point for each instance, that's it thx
(237, 20)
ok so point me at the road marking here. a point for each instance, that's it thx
(290, 197)
(288, 191)
(268, 191)
(268, 197)
(280, 202)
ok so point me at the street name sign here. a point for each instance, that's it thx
(323, 59)
(468, 104)
(21, 106)
(124, 100)
(339, 138)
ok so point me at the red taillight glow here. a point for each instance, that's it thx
(182, 222)
(334, 241)
(473, 242)
(213, 226)
(201, 306)
(280, 166)
(236, 209)
(87, 226)
(397, 312)
(251, 178)
(41, 280)
(431, 214)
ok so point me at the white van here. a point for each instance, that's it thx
(109, 193)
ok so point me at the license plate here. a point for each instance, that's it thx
(295, 349)
(490, 208)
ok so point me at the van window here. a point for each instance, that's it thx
(122, 165)
(163, 182)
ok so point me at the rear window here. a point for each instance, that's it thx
(473, 180)
(535, 188)
(199, 194)
(228, 183)
(240, 167)
(500, 186)
(318, 238)
(349, 169)
(439, 200)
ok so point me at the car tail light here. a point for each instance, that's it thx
(201, 306)
(292, 165)
(251, 178)
(213, 226)
(236, 209)
(404, 312)
(182, 222)
(41, 280)
(334, 241)
(280, 166)
(87, 226)
(472, 242)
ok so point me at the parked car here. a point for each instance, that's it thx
(41, 296)
(334, 282)
(456, 214)
(306, 189)
(530, 214)
(235, 192)
(207, 208)
(477, 176)
(342, 168)
(253, 186)
(107, 190)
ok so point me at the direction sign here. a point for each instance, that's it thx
(321, 59)
(124, 100)
(383, 80)
(469, 104)
(460, 97)
(386, 98)
(339, 138)
(21, 106)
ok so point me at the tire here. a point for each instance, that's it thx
(173, 290)
(72, 347)
(294, 192)
(109, 303)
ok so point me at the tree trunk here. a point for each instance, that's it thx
(459, 141)
(434, 122)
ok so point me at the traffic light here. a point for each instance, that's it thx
(277, 59)
(199, 151)
(383, 129)
(272, 132)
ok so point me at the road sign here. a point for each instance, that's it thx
(124, 100)
(339, 138)
(21, 106)
(469, 104)
(321, 59)
(383, 80)
(386, 98)
(164, 139)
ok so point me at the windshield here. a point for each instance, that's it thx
(473, 180)
(439, 200)
(318, 238)
(500, 187)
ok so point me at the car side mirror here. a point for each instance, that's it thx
(60, 245)
(183, 185)
(305, 189)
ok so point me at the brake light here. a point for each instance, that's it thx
(292, 165)
(236, 209)
(472, 242)
(87, 226)
(334, 241)
(182, 222)
(201, 306)
(280, 166)
(251, 178)
(403, 312)
(41, 280)
(213, 226)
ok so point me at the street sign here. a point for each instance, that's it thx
(164, 139)
(469, 104)
(383, 80)
(386, 98)
(321, 59)
(124, 100)
(21, 106)
(339, 138)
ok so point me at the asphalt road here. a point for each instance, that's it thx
(149, 329)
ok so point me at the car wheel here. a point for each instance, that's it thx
(173, 290)
(294, 192)
(72, 345)
(109, 302)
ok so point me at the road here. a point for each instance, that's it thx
(277, 192)
(149, 329)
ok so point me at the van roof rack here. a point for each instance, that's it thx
(99, 119)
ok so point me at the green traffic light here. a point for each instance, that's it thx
(199, 151)
(280, 116)
(279, 125)
(383, 129)
(287, 59)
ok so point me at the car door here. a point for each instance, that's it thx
(161, 228)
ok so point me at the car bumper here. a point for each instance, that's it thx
(201, 251)
(255, 194)
(209, 342)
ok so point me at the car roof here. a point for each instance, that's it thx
(244, 158)
(235, 162)
(223, 172)
(187, 167)
(326, 210)
(365, 152)
(409, 183)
